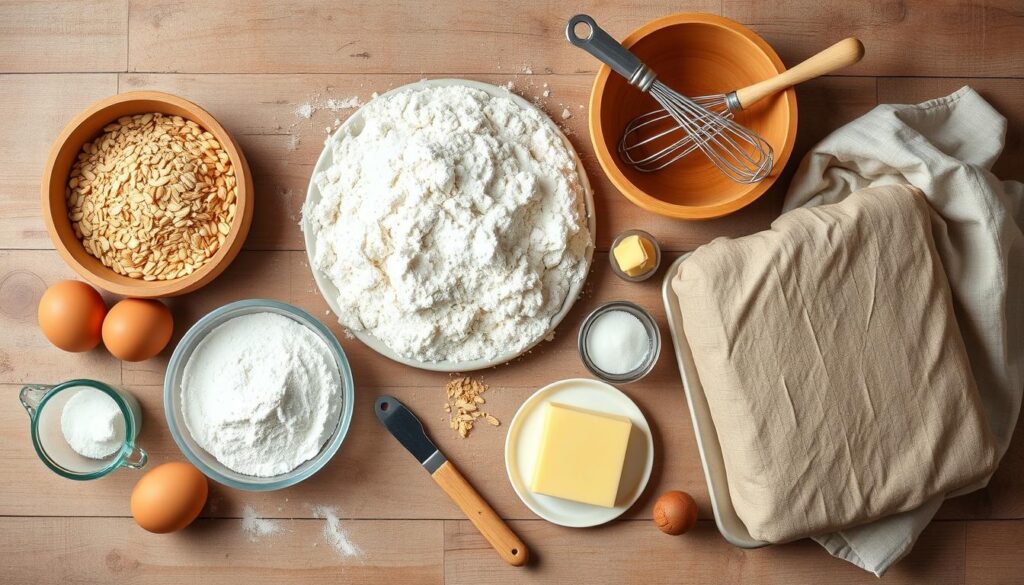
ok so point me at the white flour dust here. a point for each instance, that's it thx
(256, 527)
(451, 224)
(334, 533)
(306, 110)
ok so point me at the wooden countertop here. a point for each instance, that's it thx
(252, 64)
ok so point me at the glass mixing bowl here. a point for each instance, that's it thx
(206, 462)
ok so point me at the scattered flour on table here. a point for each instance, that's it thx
(256, 527)
(287, 195)
(334, 533)
(451, 223)
(349, 103)
(261, 393)
(306, 110)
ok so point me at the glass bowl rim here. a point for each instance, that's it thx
(197, 332)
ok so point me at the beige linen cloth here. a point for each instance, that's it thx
(945, 147)
(833, 367)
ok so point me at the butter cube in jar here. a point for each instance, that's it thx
(635, 255)
(582, 454)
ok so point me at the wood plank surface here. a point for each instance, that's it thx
(66, 551)
(372, 477)
(355, 476)
(431, 37)
(993, 553)
(25, 354)
(253, 63)
(282, 146)
(947, 38)
(635, 552)
(39, 106)
(79, 36)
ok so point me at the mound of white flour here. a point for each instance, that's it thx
(261, 393)
(451, 223)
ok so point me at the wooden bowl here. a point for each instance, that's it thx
(88, 125)
(695, 54)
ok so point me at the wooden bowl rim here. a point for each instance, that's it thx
(234, 239)
(639, 197)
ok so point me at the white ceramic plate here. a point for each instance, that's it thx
(523, 443)
(330, 293)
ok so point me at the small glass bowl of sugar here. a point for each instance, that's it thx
(619, 342)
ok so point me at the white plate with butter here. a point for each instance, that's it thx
(522, 447)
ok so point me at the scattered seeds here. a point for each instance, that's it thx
(463, 405)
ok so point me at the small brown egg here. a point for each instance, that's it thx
(137, 329)
(169, 497)
(675, 512)
(71, 315)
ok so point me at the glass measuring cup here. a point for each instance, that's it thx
(45, 403)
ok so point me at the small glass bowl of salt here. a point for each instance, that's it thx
(619, 342)
(84, 429)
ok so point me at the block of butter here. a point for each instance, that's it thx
(634, 255)
(581, 455)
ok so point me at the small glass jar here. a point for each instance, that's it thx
(657, 256)
(45, 405)
(653, 340)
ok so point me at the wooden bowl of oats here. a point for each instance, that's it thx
(146, 195)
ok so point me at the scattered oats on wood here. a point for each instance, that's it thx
(464, 398)
(153, 197)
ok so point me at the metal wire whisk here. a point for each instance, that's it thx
(738, 152)
(658, 131)
(741, 154)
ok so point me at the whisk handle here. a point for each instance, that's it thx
(842, 54)
(603, 46)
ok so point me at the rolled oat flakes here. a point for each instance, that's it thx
(153, 197)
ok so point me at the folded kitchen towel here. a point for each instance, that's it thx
(833, 366)
(944, 147)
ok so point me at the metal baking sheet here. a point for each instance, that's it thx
(729, 524)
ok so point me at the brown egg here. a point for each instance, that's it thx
(675, 512)
(169, 497)
(137, 329)
(71, 315)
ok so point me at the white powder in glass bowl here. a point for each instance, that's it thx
(451, 222)
(92, 423)
(261, 393)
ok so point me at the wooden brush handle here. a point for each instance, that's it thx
(842, 54)
(481, 515)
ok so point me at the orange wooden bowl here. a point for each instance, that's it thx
(88, 125)
(695, 54)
